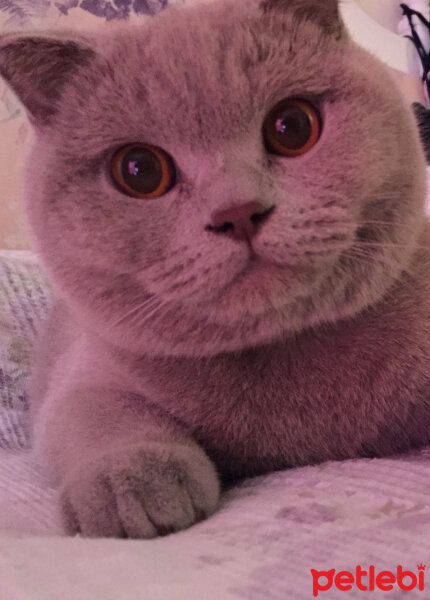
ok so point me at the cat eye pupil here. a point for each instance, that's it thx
(291, 128)
(143, 171)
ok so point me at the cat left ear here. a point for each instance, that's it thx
(38, 68)
(325, 13)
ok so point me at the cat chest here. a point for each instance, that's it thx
(285, 406)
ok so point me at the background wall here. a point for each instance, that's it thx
(386, 12)
(375, 25)
(16, 135)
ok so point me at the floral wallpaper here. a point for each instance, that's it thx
(23, 10)
(15, 132)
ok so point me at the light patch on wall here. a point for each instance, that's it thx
(389, 46)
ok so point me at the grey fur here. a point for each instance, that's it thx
(172, 359)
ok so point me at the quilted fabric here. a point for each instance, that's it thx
(24, 302)
(22, 11)
(261, 545)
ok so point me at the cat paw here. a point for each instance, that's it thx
(140, 492)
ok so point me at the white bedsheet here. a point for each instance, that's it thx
(261, 545)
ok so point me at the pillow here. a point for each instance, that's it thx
(24, 301)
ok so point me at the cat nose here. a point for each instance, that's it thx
(240, 222)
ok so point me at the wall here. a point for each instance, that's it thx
(386, 12)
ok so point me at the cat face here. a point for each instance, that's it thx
(245, 243)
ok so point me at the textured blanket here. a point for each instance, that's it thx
(268, 535)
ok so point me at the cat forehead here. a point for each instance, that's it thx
(197, 75)
(221, 38)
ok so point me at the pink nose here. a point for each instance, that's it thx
(240, 222)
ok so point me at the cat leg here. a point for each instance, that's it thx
(124, 468)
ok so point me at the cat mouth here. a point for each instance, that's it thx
(257, 288)
(258, 271)
(257, 263)
(254, 264)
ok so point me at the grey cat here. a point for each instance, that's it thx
(229, 200)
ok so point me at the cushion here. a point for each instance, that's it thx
(262, 543)
(24, 302)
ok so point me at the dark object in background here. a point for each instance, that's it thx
(420, 46)
(423, 117)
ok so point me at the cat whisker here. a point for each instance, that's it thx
(159, 260)
(378, 222)
(149, 315)
(142, 306)
(384, 226)
(359, 253)
(383, 245)
(179, 268)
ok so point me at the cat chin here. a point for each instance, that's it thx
(211, 339)
(263, 289)
(256, 289)
(197, 339)
(182, 333)
(215, 330)
(189, 331)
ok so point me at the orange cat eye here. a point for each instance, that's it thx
(143, 171)
(291, 128)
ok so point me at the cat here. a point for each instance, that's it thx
(229, 201)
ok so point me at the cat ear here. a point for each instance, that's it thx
(325, 13)
(37, 68)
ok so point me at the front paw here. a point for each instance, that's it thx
(140, 491)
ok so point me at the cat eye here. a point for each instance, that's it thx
(292, 128)
(143, 171)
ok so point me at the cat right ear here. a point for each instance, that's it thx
(37, 68)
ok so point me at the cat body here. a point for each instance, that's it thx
(270, 308)
(355, 388)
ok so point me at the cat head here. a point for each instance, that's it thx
(219, 176)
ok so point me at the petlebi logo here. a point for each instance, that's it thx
(368, 580)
